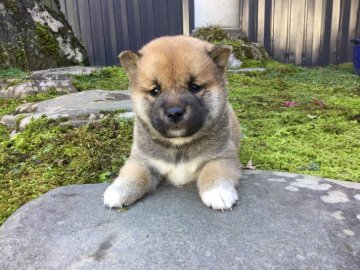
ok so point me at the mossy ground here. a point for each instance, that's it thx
(12, 73)
(46, 155)
(320, 135)
(109, 78)
(251, 54)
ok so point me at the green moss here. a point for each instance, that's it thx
(246, 51)
(50, 46)
(319, 136)
(51, 93)
(251, 54)
(46, 155)
(10, 5)
(4, 57)
(12, 73)
(13, 56)
(47, 41)
(8, 106)
(211, 34)
(111, 78)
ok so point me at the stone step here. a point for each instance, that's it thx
(282, 221)
(87, 105)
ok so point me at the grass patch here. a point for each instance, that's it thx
(46, 155)
(8, 106)
(318, 134)
(12, 73)
(109, 78)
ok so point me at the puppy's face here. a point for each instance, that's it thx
(177, 84)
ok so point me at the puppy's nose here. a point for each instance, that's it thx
(175, 114)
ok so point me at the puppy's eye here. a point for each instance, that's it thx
(194, 88)
(155, 92)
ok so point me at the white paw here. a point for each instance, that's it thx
(223, 196)
(115, 196)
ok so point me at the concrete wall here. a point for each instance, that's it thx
(224, 13)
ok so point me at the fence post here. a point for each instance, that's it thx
(186, 17)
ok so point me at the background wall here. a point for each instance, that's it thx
(107, 27)
(304, 32)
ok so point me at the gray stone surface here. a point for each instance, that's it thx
(79, 108)
(42, 81)
(234, 62)
(282, 221)
(245, 70)
(34, 34)
(74, 70)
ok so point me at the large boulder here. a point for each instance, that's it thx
(282, 221)
(35, 35)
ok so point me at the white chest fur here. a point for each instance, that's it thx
(180, 173)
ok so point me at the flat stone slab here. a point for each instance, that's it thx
(74, 70)
(42, 81)
(282, 221)
(246, 70)
(86, 106)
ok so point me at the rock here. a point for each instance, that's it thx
(245, 70)
(80, 123)
(73, 70)
(35, 35)
(44, 81)
(12, 120)
(280, 222)
(216, 33)
(234, 62)
(26, 107)
(9, 120)
(242, 48)
(38, 86)
(12, 134)
(126, 115)
(76, 107)
(92, 116)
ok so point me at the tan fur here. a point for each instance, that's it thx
(217, 171)
(135, 178)
(209, 154)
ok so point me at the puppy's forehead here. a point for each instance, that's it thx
(173, 60)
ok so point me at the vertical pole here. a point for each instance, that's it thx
(186, 17)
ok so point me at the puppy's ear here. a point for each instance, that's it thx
(129, 60)
(220, 55)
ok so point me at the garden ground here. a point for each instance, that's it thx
(294, 119)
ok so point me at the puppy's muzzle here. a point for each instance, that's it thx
(175, 114)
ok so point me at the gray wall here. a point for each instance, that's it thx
(107, 27)
(304, 32)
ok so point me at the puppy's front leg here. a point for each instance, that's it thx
(135, 179)
(217, 181)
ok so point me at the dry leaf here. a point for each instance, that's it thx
(312, 116)
(318, 102)
(249, 165)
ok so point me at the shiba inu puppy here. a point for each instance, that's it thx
(185, 129)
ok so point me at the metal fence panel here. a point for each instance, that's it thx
(107, 27)
(303, 32)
